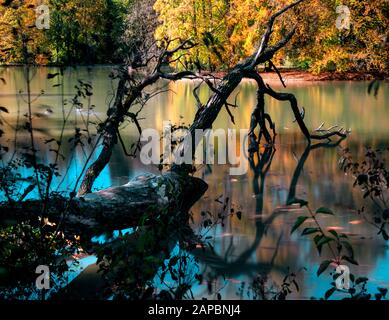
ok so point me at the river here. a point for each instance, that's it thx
(243, 247)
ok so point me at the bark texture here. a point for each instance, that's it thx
(144, 198)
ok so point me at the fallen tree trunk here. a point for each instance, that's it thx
(146, 197)
(206, 114)
(150, 196)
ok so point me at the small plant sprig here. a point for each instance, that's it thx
(338, 244)
(372, 177)
(357, 290)
(210, 220)
(341, 250)
(263, 288)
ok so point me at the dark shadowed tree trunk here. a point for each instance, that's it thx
(147, 197)
(121, 207)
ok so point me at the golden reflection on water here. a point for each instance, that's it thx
(247, 247)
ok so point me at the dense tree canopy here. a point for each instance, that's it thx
(228, 30)
(80, 31)
(106, 31)
(16, 26)
(48, 225)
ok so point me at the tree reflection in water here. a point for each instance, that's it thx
(222, 266)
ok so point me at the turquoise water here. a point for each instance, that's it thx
(247, 247)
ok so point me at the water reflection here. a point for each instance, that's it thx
(301, 163)
(243, 267)
(260, 242)
(227, 264)
(308, 177)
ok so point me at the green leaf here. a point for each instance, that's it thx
(334, 233)
(317, 238)
(321, 242)
(299, 221)
(323, 210)
(361, 280)
(378, 296)
(383, 291)
(3, 109)
(329, 293)
(173, 261)
(301, 202)
(52, 75)
(323, 267)
(307, 231)
(348, 247)
(349, 259)
(324, 240)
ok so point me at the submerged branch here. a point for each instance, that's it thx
(143, 198)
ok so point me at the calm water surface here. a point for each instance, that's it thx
(261, 241)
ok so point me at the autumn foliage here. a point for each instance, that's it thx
(225, 30)
(228, 30)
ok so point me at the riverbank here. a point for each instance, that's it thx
(297, 75)
(289, 75)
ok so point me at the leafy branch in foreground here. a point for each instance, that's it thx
(263, 287)
(357, 291)
(338, 244)
(339, 247)
(372, 177)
